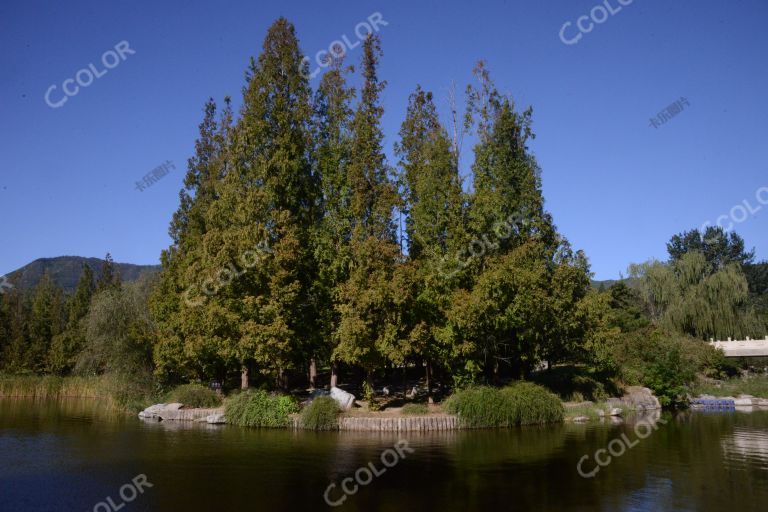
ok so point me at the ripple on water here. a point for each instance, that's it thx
(746, 447)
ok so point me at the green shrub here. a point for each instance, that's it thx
(467, 376)
(522, 403)
(322, 413)
(256, 408)
(667, 363)
(370, 396)
(194, 395)
(130, 392)
(577, 383)
(415, 409)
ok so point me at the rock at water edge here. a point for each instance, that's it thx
(344, 399)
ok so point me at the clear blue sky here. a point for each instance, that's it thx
(617, 187)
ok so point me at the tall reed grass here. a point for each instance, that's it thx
(322, 413)
(50, 387)
(115, 391)
(523, 403)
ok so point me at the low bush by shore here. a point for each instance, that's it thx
(523, 403)
(256, 408)
(194, 395)
(322, 413)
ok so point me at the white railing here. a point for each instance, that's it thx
(747, 347)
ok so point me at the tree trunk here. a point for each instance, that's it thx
(244, 382)
(281, 379)
(405, 379)
(429, 382)
(334, 374)
(312, 373)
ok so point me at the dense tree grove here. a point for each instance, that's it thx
(297, 247)
(704, 290)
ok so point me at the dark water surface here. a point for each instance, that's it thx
(68, 456)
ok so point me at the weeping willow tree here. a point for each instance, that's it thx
(690, 296)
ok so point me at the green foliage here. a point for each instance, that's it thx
(66, 346)
(321, 414)
(433, 206)
(194, 395)
(668, 375)
(257, 408)
(369, 395)
(110, 276)
(415, 409)
(191, 332)
(333, 117)
(577, 383)
(368, 313)
(718, 247)
(665, 362)
(131, 392)
(119, 332)
(467, 376)
(627, 308)
(523, 403)
(691, 296)
(47, 319)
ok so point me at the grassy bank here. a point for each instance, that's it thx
(755, 386)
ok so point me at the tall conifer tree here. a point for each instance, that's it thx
(433, 204)
(369, 321)
(333, 119)
(65, 346)
(187, 346)
(268, 199)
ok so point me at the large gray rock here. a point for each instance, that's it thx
(157, 411)
(344, 399)
(640, 399)
(215, 419)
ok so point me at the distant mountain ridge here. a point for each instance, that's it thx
(65, 271)
(607, 283)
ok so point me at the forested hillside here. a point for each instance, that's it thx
(65, 271)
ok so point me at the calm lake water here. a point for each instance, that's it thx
(62, 457)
